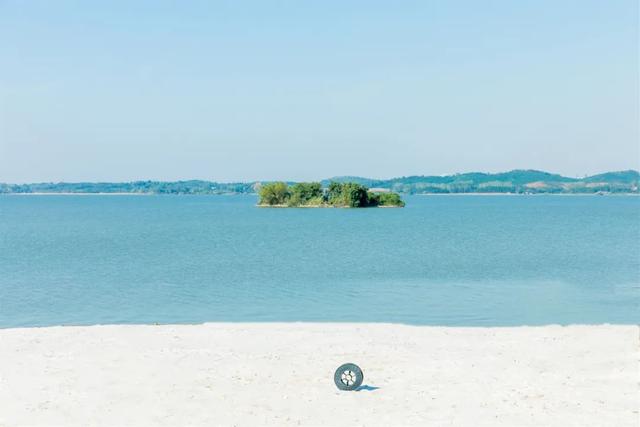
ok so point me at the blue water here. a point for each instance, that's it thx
(463, 260)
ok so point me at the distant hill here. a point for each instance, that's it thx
(516, 177)
(357, 179)
(515, 181)
(624, 177)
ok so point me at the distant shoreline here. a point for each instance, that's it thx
(79, 194)
(518, 181)
(283, 206)
(526, 194)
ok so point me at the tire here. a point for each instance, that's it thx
(348, 377)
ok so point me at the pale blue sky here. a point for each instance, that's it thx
(245, 90)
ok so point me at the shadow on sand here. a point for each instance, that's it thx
(366, 387)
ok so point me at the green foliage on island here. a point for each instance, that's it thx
(386, 199)
(306, 193)
(312, 194)
(513, 182)
(274, 194)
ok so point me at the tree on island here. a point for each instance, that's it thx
(305, 193)
(275, 193)
(348, 194)
(311, 194)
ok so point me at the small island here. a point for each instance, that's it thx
(336, 195)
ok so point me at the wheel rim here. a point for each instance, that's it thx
(348, 378)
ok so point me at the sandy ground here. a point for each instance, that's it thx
(282, 374)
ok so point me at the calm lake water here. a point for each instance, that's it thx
(457, 260)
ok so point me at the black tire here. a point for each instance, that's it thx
(348, 377)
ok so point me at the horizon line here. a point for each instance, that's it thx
(317, 180)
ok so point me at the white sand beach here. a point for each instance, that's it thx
(282, 374)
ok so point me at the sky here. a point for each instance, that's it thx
(304, 90)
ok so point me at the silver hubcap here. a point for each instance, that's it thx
(348, 378)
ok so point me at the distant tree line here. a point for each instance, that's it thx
(516, 182)
(136, 187)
